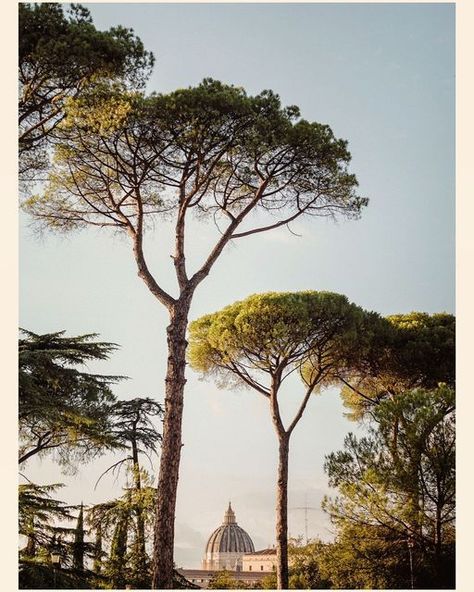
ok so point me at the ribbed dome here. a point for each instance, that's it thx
(229, 537)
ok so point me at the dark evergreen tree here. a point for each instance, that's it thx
(415, 350)
(135, 509)
(62, 408)
(38, 516)
(61, 53)
(42, 522)
(116, 566)
(78, 547)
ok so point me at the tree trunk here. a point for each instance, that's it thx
(438, 535)
(171, 447)
(439, 567)
(282, 512)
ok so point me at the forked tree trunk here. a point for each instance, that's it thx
(171, 448)
(282, 511)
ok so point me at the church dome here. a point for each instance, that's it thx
(229, 540)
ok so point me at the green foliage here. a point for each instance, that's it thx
(304, 560)
(98, 549)
(134, 426)
(34, 575)
(314, 333)
(397, 485)
(115, 567)
(223, 580)
(425, 348)
(38, 512)
(235, 153)
(268, 582)
(61, 54)
(41, 522)
(134, 431)
(63, 409)
(414, 350)
(366, 557)
(117, 526)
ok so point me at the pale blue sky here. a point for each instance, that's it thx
(382, 76)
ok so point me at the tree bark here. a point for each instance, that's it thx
(439, 568)
(282, 511)
(171, 447)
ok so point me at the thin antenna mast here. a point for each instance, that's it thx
(305, 508)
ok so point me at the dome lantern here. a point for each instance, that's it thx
(229, 517)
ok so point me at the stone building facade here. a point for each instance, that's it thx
(260, 561)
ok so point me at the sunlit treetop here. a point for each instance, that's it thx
(211, 149)
(316, 334)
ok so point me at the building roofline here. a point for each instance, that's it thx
(270, 551)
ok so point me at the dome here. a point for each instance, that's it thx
(227, 544)
(229, 537)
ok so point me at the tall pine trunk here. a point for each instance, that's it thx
(171, 447)
(282, 511)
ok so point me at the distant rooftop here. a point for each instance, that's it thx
(263, 552)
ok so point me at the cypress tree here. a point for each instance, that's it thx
(78, 549)
(118, 550)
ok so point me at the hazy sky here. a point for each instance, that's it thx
(382, 76)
